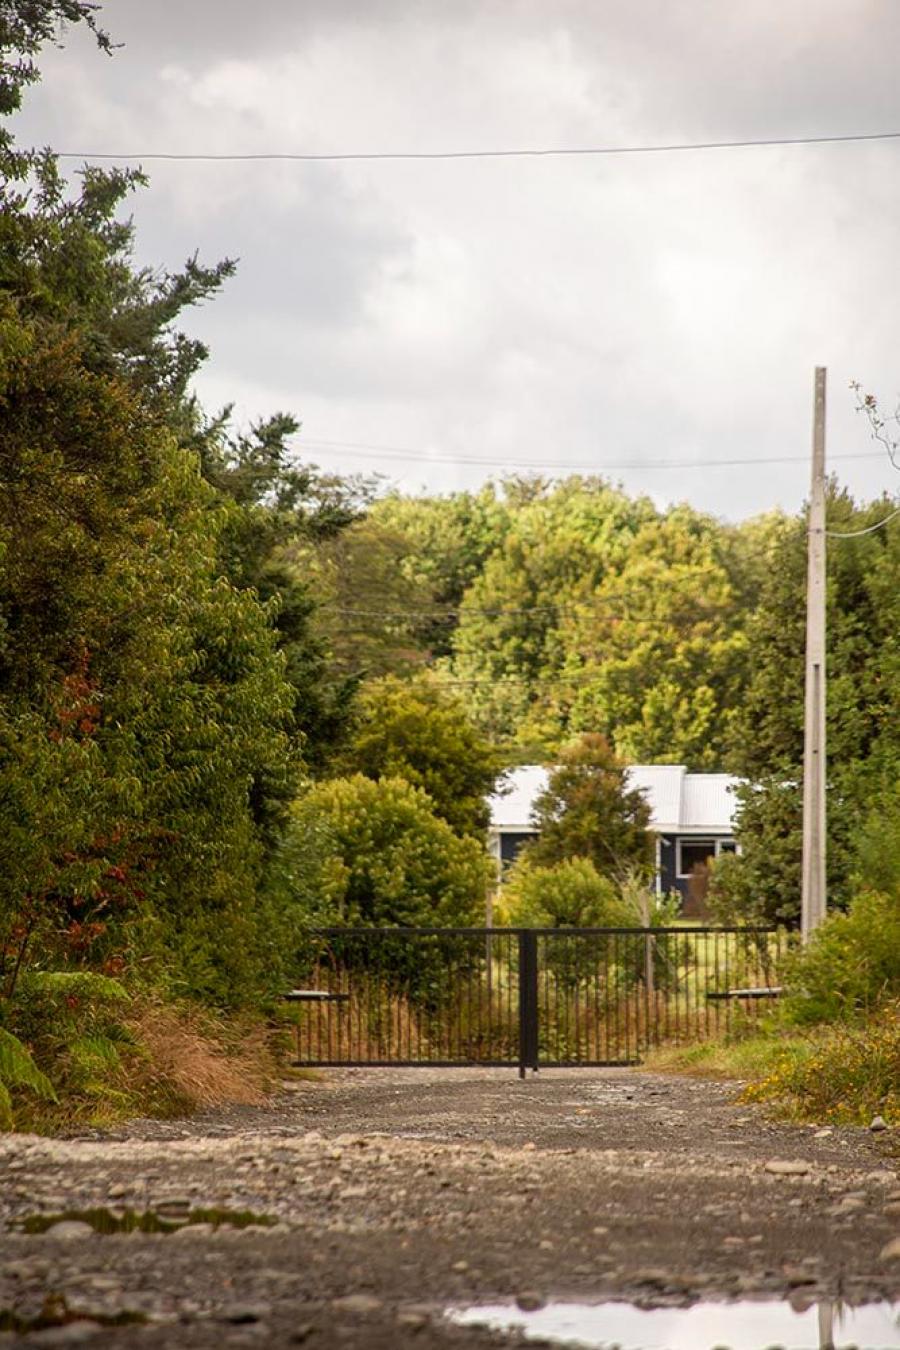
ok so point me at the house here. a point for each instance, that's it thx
(691, 817)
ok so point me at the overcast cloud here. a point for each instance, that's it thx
(606, 310)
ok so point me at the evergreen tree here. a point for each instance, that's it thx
(588, 811)
(414, 730)
(863, 701)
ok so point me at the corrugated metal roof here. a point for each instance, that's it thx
(680, 802)
(511, 810)
(661, 785)
(707, 801)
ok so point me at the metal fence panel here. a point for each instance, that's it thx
(525, 997)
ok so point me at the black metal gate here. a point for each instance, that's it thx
(524, 997)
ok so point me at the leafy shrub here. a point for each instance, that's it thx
(414, 729)
(846, 1074)
(851, 963)
(385, 857)
(570, 894)
(573, 894)
(734, 895)
(77, 1047)
(72, 1025)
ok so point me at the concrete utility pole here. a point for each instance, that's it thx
(813, 889)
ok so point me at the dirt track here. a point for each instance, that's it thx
(398, 1192)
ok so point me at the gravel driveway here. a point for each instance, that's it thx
(393, 1193)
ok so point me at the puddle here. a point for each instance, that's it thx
(109, 1221)
(745, 1325)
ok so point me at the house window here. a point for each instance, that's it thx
(693, 853)
(697, 852)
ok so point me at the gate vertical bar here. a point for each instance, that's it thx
(528, 1001)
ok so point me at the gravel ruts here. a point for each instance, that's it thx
(399, 1191)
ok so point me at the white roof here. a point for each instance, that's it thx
(511, 810)
(680, 802)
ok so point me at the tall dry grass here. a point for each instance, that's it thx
(186, 1060)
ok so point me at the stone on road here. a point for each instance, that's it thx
(392, 1194)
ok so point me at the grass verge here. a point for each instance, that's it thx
(166, 1060)
(841, 1074)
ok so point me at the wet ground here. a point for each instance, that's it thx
(396, 1194)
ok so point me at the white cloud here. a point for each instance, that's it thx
(597, 310)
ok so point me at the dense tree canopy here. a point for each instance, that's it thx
(150, 725)
(863, 728)
(573, 607)
(141, 694)
(386, 858)
(415, 730)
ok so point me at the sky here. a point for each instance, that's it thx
(473, 317)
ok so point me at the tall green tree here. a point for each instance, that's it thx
(287, 514)
(561, 542)
(417, 731)
(370, 605)
(140, 693)
(659, 657)
(449, 540)
(142, 696)
(863, 729)
(588, 810)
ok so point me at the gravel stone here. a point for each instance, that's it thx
(245, 1312)
(74, 1333)
(360, 1305)
(68, 1230)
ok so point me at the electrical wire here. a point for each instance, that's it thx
(504, 681)
(543, 152)
(870, 529)
(455, 612)
(586, 609)
(411, 616)
(397, 452)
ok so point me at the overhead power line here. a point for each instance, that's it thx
(537, 152)
(504, 681)
(584, 611)
(365, 450)
(594, 608)
(870, 529)
(455, 611)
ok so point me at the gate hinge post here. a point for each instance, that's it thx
(528, 1001)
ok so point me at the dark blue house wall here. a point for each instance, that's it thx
(510, 845)
(668, 881)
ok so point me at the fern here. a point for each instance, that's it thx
(18, 1069)
(6, 1115)
(78, 984)
(92, 1054)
